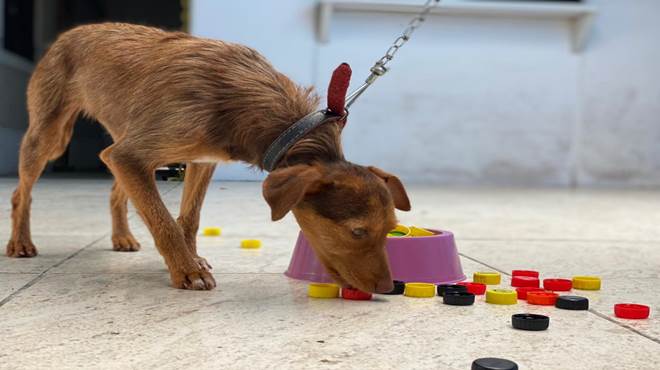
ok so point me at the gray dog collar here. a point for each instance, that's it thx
(293, 134)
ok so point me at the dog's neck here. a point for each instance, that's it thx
(323, 144)
(257, 120)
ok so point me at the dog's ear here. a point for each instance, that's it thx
(395, 187)
(285, 188)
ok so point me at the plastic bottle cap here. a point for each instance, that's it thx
(501, 296)
(400, 231)
(530, 273)
(525, 281)
(250, 244)
(442, 288)
(522, 291)
(530, 321)
(395, 234)
(399, 287)
(354, 294)
(418, 231)
(488, 278)
(321, 290)
(542, 298)
(419, 290)
(586, 282)
(631, 311)
(559, 285)
(572, 302)
(474, 288)
(211, 231)
(491, 363)
(458, 298)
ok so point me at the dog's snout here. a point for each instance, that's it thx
(384, 286)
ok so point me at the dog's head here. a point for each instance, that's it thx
(345, 211)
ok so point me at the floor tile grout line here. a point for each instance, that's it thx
(41, 275)
(606, 317)
(592, 310)
(483, 263)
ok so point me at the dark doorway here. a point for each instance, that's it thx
(89, 138)
(160, 13)
(19, 28)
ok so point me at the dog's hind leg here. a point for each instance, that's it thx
(53, 107)
(122, 238)
(45, 139)
(198, 177)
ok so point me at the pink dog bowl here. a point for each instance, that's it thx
(428, 259)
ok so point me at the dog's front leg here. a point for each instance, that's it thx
(135, 175)
(198, 177)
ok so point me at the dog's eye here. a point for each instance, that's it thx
(359, 232)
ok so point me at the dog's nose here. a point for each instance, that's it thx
(384, 286)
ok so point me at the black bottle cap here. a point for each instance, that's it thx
(491, 363)
(399, 287)
(572, 302)
(530, 321)
(458, 298)
(442, 288)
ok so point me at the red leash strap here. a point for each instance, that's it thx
(336, 112)
(337, 89)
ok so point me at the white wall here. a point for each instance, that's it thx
(620, 135)
(469, 100)
(478, 100)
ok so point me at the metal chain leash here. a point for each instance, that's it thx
(379, 68)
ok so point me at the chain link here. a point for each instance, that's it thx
(405, 36)
(379, 68)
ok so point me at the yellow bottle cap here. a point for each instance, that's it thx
(586, 282)
(400, 230)
(211, 231)
(501, 296)
(488, 278)
(419, 290)
(321, 290)
(418, 231)
(250, 243)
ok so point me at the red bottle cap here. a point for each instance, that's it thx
(542, 298)
(560, 285)
(520, 281)
(355, 295)
(631, 311)
(474, 288)
(522, 291)
(530, 273)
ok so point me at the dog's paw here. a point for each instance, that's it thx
(198, 280)
(203, 263)
(21, 249)
(125, 243)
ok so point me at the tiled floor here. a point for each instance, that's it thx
(81, 305)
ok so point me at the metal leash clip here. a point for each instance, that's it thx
(379, 68)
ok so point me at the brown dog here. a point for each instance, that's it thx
(170, 97)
